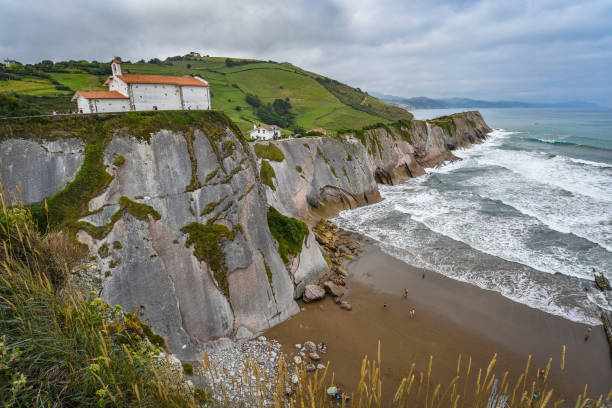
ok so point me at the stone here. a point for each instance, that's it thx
(346, 305)
(313, 292)
(320, 367)
(310, 367)
(297, 360)
(333, 289)
(314, 356)
(298, 346)
(337, 300)
(310, 346)
(243, 333)
(294, 378)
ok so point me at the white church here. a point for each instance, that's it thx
(135, 92)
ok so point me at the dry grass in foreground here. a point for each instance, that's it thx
(469, 388)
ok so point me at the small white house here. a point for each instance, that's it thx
(135, 92)
(266, 132)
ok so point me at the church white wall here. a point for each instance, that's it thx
(196, 97)
(83, 105)
(110, 105)
(118, 85)
(151, 96)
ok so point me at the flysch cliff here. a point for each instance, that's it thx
(173, 206)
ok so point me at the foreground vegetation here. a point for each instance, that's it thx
(248, 91)
(59, 348)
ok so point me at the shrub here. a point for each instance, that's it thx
(267, 174)
(290, 233)
(119, 161)
(269, 151)
(253, 100)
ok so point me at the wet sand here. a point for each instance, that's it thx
(452, 318)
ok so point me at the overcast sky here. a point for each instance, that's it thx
(537, 50)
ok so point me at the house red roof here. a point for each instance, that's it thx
(100, 95)
(161, 79)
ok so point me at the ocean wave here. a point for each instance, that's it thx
(565, 143)
(580, 215)
(419, 246)
(571, 175)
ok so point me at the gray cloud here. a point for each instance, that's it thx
(523, 50)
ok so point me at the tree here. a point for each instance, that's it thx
(253, 100)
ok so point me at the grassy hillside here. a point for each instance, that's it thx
(316, 101)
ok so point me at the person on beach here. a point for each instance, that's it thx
(423, 275)
(412, 313)
(587, 334)
(541, 373)
(385, 306)
(405, 293)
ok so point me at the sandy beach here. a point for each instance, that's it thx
(451, 318)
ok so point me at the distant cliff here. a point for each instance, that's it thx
(173, 206)
(322, 175)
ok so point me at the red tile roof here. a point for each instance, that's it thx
(100, 95)
(161, 79)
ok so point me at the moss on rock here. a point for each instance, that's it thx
(206, 240)
(267, 174)
(290, 233)
(269, 151)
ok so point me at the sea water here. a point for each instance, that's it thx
(528, 213)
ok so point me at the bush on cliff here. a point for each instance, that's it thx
(288, 232)
(269, 151)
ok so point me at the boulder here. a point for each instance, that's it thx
(310, 347)
(346, 305)
(314, 356)
(313, 292)
(333, 289)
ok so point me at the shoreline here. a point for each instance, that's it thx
(452, 318)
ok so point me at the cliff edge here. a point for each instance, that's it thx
(175, 206)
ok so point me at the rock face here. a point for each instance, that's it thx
(323, 175)
(183, 297)
(180, 230)
(41, 168)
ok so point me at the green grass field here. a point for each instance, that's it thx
(316, 101)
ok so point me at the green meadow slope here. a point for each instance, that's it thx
(316, 101)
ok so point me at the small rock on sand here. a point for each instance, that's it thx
(298, 346)
(314, 356)
(333, 289)
(346, 305)
(310, 347)
(313, 292)
(310, 367)
(320, 367)
(297, 360)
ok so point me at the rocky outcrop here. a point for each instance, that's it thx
(174, 207)
(322, 175)
(33, 170)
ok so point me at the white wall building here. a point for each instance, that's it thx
(266, 132)
(129, 92)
